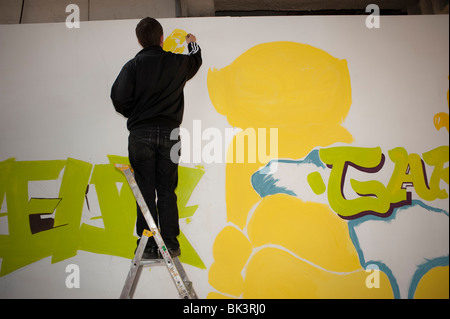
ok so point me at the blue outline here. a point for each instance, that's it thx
(264, 183)
(421, 269)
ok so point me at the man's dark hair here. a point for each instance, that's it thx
(149, 32)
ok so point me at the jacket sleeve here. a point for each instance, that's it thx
(122, 91)
(195, 59)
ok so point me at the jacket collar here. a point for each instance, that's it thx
(154, 48)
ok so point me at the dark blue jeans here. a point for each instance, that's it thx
(156, 174)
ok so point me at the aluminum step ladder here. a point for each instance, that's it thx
(176, 270)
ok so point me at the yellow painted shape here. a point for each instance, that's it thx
(305, 93)
(175, 41)
(442, 119)
(226, 278)
(231, 251)
(215, 295)
(301, 90)
(282, 84)
(309, 230)
(434, 284)
(273, 274)
(239, 193)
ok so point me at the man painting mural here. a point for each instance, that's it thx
(149, 92)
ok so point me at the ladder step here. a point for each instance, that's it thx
(152, 262)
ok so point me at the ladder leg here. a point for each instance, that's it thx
(135, 270)
(136, 280)
(184, 277)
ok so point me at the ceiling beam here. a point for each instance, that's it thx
(197, 8)
(307, 5)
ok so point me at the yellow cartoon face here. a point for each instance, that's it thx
(282, 84)
(175, 41)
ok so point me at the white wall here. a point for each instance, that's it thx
(54, 104)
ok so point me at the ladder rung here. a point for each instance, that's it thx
(152, 262)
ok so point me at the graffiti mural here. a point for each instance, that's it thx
(293, 237)
(314, 159)
(42, 227)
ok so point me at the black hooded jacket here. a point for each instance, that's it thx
(149, 88)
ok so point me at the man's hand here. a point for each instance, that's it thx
(190, 38)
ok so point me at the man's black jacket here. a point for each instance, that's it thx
(149, 88)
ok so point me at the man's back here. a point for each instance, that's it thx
(149, 89)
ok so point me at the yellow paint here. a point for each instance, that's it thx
(299, 89)
(442, 119)
(273, 273)
(174, 42)
(231, 251)
(305, 93)
(310, 230)
(434, 284)
(283, 84)
(215, 295)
